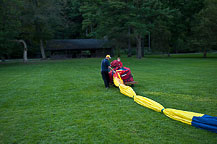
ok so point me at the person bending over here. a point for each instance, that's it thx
(105, 66)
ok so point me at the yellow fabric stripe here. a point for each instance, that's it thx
(127, 90)
(117, 81)
(146, 102)
(179, 115)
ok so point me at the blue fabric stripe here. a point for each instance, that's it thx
(205, 122)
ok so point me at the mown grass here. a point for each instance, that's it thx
(66, 102)
(183, 55)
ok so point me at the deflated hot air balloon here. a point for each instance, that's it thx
(124, 72)
(195, 119)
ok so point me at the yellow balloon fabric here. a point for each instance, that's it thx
(180, 115)
(127, 90)
(117, 81)
(190, 118)
(146, 102)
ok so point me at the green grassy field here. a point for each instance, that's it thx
(183, 55)
(66, 102)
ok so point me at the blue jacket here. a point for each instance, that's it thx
(104, 65)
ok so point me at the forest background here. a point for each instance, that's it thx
(133, 27)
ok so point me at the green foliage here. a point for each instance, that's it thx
(106, 19)
(72, 20)
(38, 19)
(59, 102)
(172, 25)
(206, 29)
(112, 19)
(150, 17)
(29, 20)
(182, 22)
(9, 25)
(144, 14)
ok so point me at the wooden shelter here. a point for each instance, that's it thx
(77, 48)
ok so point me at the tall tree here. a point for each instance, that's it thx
(113, 18)
(25, 58)
(106, 19)
(206, 31)
(144, 14)
(39, 19)
(129, 42)
(72, 19)
(9, 25)
(183, 21)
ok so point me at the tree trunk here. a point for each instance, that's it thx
(149, 41)
(39, 30)
(204, 53)
(168, 52)
(129, 43)
(86, 32)
(25, 56)
(25, 59)
(139, 48)
(143, 46)
(176, 49)
(42, 50)
(118, 51)
(91, 28)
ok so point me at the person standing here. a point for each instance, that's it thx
(105, 66)
(120, 65)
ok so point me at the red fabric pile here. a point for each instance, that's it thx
(124, 72)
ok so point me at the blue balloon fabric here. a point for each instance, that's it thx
(205, 122)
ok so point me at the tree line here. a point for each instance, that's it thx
(133, 26)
